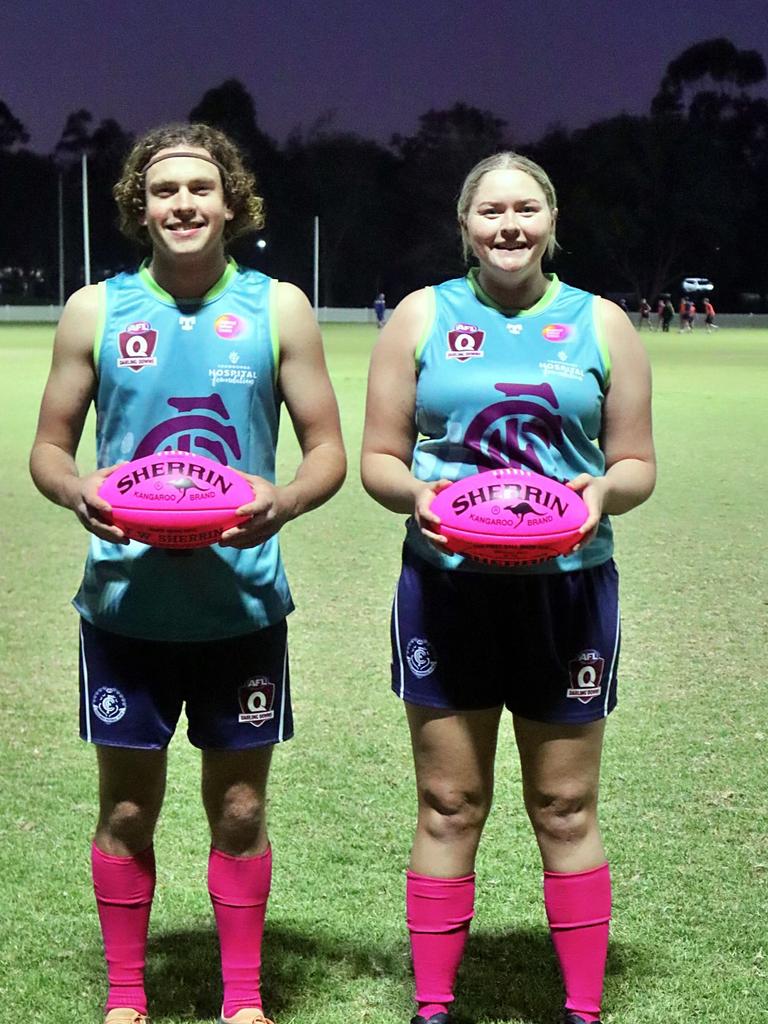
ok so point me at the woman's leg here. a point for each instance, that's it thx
(561, 770)
(453, 755)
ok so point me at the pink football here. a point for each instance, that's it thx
(175, 500)
(510, 517)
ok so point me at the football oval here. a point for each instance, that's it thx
(175, 499)
(510, 517)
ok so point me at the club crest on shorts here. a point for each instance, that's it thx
(465, 341)
(257, 698)
(586, 673)
(420, 657)
(109, 705)
(137, 346)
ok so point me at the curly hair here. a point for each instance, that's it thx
(239, 183)
(506, 161)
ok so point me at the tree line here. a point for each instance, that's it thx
(645, 200)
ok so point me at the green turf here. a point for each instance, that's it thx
(684, 804)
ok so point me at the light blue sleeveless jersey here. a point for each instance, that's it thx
(501, 388)
(198, 378)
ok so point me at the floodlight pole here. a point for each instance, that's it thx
(61, 237)
(86, 228)
(317, 265)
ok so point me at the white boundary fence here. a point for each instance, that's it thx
(51, 314)
(340, 315)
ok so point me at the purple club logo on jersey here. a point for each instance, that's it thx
(137, 346)
(197, 428)
(501, 435)
(465, 341)
(257, 697)
(586, 674)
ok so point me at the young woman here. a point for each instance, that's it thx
(553, 379)
(152, 350)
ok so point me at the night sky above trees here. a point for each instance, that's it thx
(656, 134)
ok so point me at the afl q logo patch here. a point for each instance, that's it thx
(109, 705)
(257, 698)
(465, 341)
(420, 657)
(137, 346)
(586, 673)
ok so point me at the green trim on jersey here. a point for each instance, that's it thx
(100, 322)
(163, 296)
(274, 326)
(429, 324)
(549, 296)
(601, 339)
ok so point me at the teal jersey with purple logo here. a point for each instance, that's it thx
(511, 388)
(197, 377)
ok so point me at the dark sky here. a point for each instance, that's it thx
(377, 66)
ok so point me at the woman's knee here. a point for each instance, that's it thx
(449, 811)
(564, 816)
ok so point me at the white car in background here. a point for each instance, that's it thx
(697, 284)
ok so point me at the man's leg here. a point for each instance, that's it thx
(131, 789)
(239, 869)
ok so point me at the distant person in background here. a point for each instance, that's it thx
(709, 316)
(624, 306)
(380, 308)
(668, 315)
(660, 314)
(691, 314)
(645, 315)
(685, 324)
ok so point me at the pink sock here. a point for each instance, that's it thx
(239, 888)
(578, 908)
(438, 912)
(124, 887)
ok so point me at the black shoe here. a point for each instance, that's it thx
(436, 1018)
(574, 1018)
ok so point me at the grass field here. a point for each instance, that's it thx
(684, 804)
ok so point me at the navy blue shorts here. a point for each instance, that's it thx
(546, 646)
(236, 691)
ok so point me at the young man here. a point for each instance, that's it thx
(194, 353)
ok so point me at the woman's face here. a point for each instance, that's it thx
(509, 223)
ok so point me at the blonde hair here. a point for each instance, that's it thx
(507, 161)
(238, 182)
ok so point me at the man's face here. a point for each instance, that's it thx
(185, 209)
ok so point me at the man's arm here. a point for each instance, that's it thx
(68, 394)
(306, 389)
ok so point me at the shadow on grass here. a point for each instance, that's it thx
(184, 980)
(514, 974)
(506, 975)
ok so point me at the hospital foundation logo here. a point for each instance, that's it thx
(465, 341)
(586, 674)
(137, 346)
(109, 705)
(420, 657)
(257, 697)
